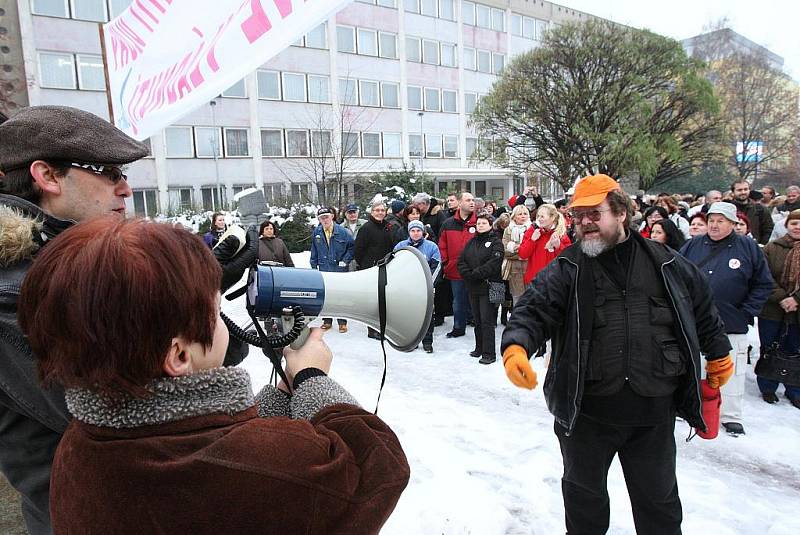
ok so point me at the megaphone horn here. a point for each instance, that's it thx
(352, 295)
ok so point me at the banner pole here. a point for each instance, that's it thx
(105, 72)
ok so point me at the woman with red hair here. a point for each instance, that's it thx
(125, 315)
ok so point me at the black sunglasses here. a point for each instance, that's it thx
(111, 172)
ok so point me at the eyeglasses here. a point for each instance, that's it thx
(593, 215)
(111, 172)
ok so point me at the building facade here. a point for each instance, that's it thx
(379, 85)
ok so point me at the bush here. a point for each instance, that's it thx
(296, 231)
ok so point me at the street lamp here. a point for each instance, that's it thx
(216, 149)
(421, 152)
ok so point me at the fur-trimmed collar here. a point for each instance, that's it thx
(219, 390)
(24, 228)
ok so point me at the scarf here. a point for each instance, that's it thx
(790, 278)
(518, 231)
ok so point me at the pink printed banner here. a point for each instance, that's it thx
(168, 57)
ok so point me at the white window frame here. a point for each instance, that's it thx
(190, 154)
(421, 97)
(399, 138)
(324, 27)
(329, 153)
(282, 143)
(470, 154)
(278, 79)
(361, 35)
(352, 30)
(380, 145)
(438, 99)
(396, 87)
(358, 145)
(196, 132)
(454, 93)
(421, 146)
(495, 57)
(72, 68)
(516, 24)
(474, 107)
(77, 63)
(470, 64)
(244, 90)
(452, 5)
(283, 86)
(468, 15)
(381, 53)
(417, 43)
(425, 59)
(454, 55)
(427, 152)
(377, 85)
(498, 14)
(308, 88)
(541, 27)
(286, 143)
(487, 11)
(392, 4)
(444, 145)
(487, 55)
(435, 6)
(73, 10)
(247, 133)
(66, 14)
(353, 100)
(532, 33)
(413, 9)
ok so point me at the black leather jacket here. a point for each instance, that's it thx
(552, 309)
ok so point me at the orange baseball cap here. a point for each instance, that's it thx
(592, 190)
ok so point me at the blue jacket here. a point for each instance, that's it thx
(739, 277)
(428, 249)
(327, 258)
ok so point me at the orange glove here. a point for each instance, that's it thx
(518, 368)
(719, 371)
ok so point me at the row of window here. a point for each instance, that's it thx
(366, 42)
(483, 61)
(208, 142)
(483, 16)
(91, 10)
(443, 9)
(71, 71)
(528, 27)
(431, 52)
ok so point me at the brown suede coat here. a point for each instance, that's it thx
(238, 474)
(776, 252)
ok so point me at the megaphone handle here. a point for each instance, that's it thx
(301, 339)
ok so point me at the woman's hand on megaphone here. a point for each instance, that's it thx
(314, 353)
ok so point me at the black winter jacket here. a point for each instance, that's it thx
(480, 261)
(375, 240)
(553, 309)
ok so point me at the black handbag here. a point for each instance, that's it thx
(779, 365)
(497, 292)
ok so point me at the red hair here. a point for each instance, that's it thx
(103, 301)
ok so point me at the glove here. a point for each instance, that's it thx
(342, 264)
(235, 264)
(518, 368)
(719, 371)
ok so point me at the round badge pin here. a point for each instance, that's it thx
(472, 230)
(734, 263)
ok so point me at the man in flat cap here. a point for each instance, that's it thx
(60, 166)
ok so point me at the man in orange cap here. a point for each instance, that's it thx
(628, 319)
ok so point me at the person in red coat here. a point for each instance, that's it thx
(543, 241)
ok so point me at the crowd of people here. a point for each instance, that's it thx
(139, 373)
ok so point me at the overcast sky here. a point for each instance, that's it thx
(774, 24)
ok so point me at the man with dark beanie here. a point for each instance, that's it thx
(628, 319)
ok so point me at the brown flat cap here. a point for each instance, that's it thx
(64, 133)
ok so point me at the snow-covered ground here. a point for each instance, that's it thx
(484, 459)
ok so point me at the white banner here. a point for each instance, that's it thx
(168, 57)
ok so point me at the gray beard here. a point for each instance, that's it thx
(597, 246)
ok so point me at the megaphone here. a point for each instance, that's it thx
(352, 295)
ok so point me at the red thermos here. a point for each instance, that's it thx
(712, 400)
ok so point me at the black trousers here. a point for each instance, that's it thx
(647, 456)
(443, 300)
(484, 315)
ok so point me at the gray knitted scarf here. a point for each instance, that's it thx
(219, 390)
